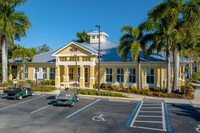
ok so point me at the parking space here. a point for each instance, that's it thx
(40, 114)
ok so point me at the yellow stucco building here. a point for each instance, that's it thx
(78, 62)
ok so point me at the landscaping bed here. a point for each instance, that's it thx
(153, 91)
(99, 93)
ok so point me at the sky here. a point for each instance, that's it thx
(56, 22)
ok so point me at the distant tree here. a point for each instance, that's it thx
(22, 53)
(41, 49)
(82, 37)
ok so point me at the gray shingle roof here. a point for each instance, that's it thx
(108, 53)
(40, 58)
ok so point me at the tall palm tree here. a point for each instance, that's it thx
(178, 19)
(23, 53)
(130, 42)
(82, 37)
(13, 25)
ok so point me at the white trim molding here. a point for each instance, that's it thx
(66, 77)
(75, 63)
(57, 77)
(93, 78)
(82, 78)
(61, 55)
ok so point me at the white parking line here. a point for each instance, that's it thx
(83, 108)
(40, 109)
(21, 102)
(163, 118)
(150, 121)
(149, 116)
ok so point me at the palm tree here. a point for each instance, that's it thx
(171, 18)
(130, 42)
(83, 37)
(23, 53)
(13, 25)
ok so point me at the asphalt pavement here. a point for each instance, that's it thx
(39, 114)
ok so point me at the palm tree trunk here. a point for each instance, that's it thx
(168, 72)
(4, 60)
(23, 69)
(139, 74)
(176, 69)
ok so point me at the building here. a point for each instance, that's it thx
(79, 62)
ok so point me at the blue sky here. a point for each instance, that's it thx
(56, 22)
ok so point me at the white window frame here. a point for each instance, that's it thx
(44, 72)
(120, 75)
(71, 73)
(150, 75)
(52, 73)
(133, 68)
(35, 72)
(108, 74)
(26, 72)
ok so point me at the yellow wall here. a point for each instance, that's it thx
(96, 40)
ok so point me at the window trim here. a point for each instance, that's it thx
(25, 72)
(34, 72)
(146, 75)
(50, 73)
(72, 73)
(119, 74)
(109, 74)
(43, 72)
(135, 76)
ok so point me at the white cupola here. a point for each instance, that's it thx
(94, 36)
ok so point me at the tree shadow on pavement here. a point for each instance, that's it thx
(187, 110)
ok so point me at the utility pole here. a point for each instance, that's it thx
(99, 60)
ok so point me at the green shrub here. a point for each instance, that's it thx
(135, 90)
(95, 85)
(164, 95)
(149, 93)
(46, 89)
(145, 91)
(48, 82)
(99, 93)
(196, 76)
(189, 90)
(159, 94)
(103, 85)
(9, 83)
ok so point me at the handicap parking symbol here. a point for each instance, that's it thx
(98, 118)
(198, 129)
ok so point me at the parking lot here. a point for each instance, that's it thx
(39, 114)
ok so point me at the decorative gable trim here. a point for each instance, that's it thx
(74, 49)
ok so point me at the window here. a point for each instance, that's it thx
(93, 37)
(132, 75)
(150, 75)
(120, 75)
(26, 72)
(108, 74)
(98, 37)
(70, 73)
(36, 70)
(44, 70)
(52, 73)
